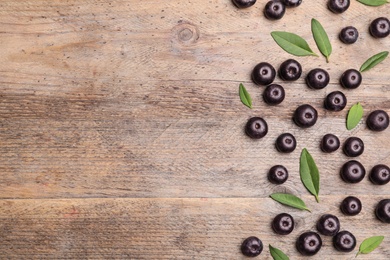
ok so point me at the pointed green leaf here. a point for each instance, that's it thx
(354, 116)
(292, 43)
(289, 200)
(373, 2)
(310, 175)
(244, 96)
(369, 244)
(321, 38)
(374, 60)
(277, 254)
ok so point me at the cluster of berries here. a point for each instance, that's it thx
(309, 243)
(275, 10)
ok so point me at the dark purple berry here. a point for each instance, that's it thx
(273, 94)
(353, 147)
(338, 6)
(274, 10)
(256, 128)
(305, 116)
(290, 70)
(382, 210)
(352, 172)
(328, 225)
(380, 27)
(292, 3)
(330, 143)
(251, 247)
(317, 78)
(286, 143)
(278, 174)
(263, 74)
(244, 3)
(351, 79)
(349, 35)
(309, 243)
(283, 224)
(335, 101)
(377, 120)
(344, 241)
(380, 174)
(351, 206)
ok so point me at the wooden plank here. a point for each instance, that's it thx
(187, 157)
(167, 228)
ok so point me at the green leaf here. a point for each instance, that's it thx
(373, 2)
(354, 116)
(310, 175)
(369, 244)
(289, 200)
(321, 38)
(244, 96)
(292, 43)
(277, 254)
(374, 60)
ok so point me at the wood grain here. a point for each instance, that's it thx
(198, 228)
(128, 112)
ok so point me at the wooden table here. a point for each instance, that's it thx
(121, 129)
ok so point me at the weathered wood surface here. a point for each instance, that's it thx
(138, 100)
(197, 228)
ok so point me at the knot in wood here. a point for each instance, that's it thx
(284, 189)
(186, 33)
